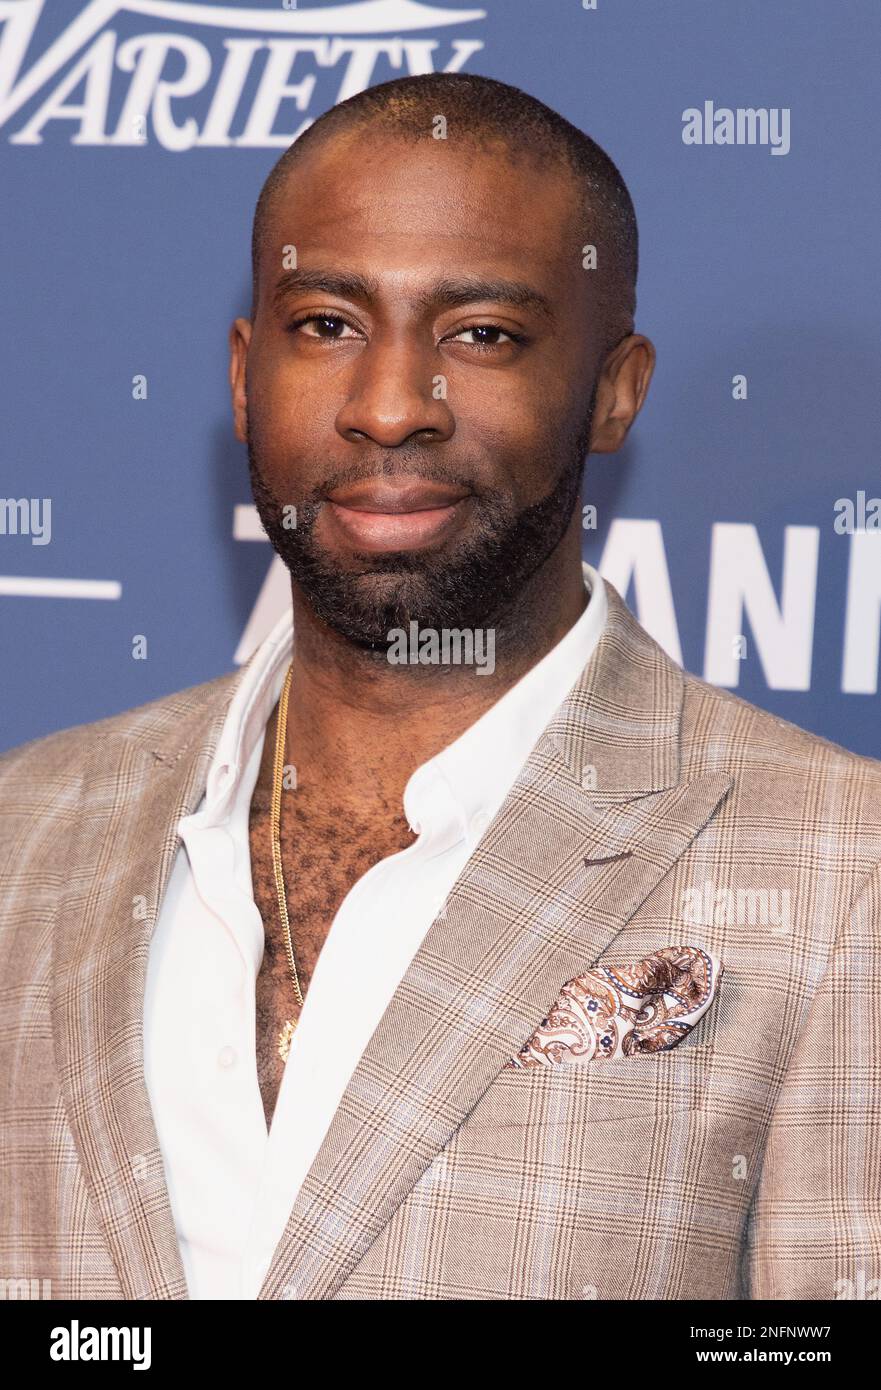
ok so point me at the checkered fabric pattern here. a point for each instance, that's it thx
(655, 811)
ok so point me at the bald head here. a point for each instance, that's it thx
(481, 114)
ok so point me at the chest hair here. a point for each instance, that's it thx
(325, 849)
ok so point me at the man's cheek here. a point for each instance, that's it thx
(286, 394)
(286, 436)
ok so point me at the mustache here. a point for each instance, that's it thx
(410, 464)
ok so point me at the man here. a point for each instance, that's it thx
(460, 946)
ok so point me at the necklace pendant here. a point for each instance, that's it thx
(285, 1038)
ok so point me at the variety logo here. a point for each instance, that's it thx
(212, 70)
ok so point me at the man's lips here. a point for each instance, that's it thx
(405, 493)
(395, 513)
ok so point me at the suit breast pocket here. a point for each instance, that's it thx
(585, 1094)
(585, 1177)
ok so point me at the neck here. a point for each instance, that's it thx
(353, 718)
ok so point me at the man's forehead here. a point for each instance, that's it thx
(432, 190)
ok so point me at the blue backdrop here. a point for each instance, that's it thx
(739, 519)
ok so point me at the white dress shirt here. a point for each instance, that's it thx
(232, 1185)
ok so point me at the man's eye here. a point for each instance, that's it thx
(328, 326)
(486, 335)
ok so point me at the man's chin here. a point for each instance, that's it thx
(367, 604)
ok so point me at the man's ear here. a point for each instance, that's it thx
(621, 389)
(239, 341)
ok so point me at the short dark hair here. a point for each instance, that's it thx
(481, 109)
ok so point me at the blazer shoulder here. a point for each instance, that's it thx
(65, 753)
(721, 728)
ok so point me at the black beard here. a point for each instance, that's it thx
(470, 586)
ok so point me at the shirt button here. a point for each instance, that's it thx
(226, 1056)
(479, 822)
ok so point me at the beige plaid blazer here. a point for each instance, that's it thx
(744, 1163)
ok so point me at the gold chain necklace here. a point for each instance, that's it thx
(287, 1032)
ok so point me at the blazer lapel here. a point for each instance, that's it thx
(531, 908)
(135, 789)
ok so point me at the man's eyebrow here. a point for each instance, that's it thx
(465, 290)
(342, 283)
(449, 293)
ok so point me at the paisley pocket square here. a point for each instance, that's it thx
(617, 1011)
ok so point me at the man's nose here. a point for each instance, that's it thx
(395, 392)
